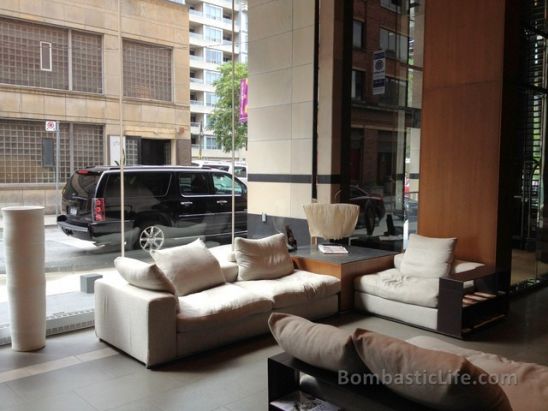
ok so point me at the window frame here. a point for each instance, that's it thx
(49, 48)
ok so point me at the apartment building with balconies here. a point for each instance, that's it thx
(60, 61)
(210, 45)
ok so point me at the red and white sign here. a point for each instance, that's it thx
(51, 125)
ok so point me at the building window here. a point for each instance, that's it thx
(214, 56)
(27, 151)
(393, 5)
(213, 35)
(357, 34)
(213, 12)
(211, 99)
(45, 56)
(395, 92)
(211, 77)
(395, 45)
(211, 143)
(147, 71)
(358, 82)
(87, 62)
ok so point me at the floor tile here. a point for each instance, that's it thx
(64, 402)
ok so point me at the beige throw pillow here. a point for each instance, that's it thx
(143, 275)
(190, 267)
(428, 257)
(422, 375)
(319, 345)
(264, 259)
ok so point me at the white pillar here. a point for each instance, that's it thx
(26, 281)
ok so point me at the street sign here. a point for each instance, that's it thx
(379, 72)
(51, 125)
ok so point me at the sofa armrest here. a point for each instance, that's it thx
(140, 322)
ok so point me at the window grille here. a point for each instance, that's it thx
(21, 156)
(147, 71)
(87, 62)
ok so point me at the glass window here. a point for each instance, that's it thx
(147, 184)
(214, 56)
(45, 56)
(395, 92)
(147, 71)
(394, 5)
(194, 183)
(211, 143)
(395, 45)
(358, 81)
(211, 99)
(223, 184)
(212, 76)
(357, 34)
(240, 171)
(213, 35)
(213, 12)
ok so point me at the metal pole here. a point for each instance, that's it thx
(57, 166)
(122, 137)
(201, 140)
(233, 125)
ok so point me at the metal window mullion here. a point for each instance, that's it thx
(71, 146)
(70, 59)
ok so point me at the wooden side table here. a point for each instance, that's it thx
(345, 267)
(460, 313)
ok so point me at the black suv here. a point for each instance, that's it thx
(161, 202)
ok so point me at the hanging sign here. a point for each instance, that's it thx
(379, 72)
(51, 125)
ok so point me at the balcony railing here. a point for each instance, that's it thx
(196, 58)
(197, 80)
(197, 36)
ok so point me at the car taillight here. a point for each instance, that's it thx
(99, 209)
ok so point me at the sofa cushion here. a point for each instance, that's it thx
(527, 384)
(216, 306)
(299, 287)
(393, 285)
(263, 259)
(426, 376)
(320, 345)
(143, 275)
(190, 267)
(428, 257)
(227, 261)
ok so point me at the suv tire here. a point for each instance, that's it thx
(151, 236)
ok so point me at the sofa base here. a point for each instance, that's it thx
(195, 341)
(425, 317)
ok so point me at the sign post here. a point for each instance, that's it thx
(54, 126)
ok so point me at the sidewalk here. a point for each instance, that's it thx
(50, 220)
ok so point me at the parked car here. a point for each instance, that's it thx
(240, 167)
(372, 208)
(161, 203)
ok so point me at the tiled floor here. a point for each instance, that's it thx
(77, 372)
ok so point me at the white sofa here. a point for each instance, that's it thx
(157, 327)
(411, 299)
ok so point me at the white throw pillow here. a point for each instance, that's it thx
(264, 259)
(190, 267)
(319, 345)
(143, 275)
(436, 379)
(428, 257)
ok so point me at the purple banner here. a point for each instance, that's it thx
(243, 100)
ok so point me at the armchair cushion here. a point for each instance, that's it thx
(190, 267)
(393, 285)
(428, 257)
(263, 259)
(470, 389)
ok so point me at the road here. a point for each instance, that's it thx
(65, 253)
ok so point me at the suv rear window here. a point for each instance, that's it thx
(81, 184)
(142, 184)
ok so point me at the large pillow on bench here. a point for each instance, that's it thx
(424, 376)
(143, 275)
(428, 257)
(190, 267)
(263, 259)
(320, 345)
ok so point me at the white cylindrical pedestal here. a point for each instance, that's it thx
(26, 280)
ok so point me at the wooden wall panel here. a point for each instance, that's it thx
(461, 124)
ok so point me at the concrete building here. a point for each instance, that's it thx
(60, 60)
(210, 38)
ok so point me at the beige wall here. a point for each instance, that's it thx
(281, 52)
(152, 21)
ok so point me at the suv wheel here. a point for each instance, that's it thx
(151, 237)
(370, 219)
